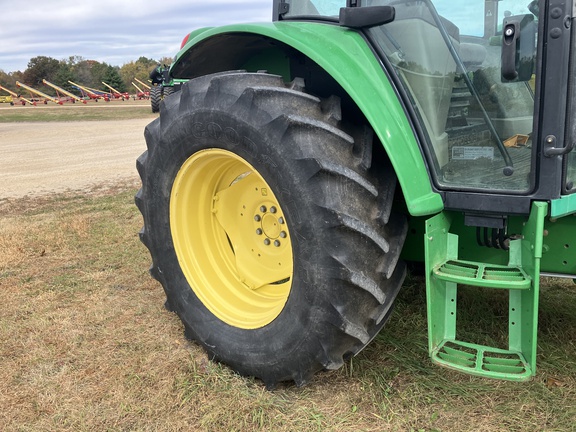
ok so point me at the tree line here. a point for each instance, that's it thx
(89, 73)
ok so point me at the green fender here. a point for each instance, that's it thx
(345, 55)
(191, 36)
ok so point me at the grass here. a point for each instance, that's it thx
(92, 111)
(86, 345)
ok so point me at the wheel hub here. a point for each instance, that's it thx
(270, 225)
(234, 245)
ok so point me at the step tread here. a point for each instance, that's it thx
(482, 274)
(482, 360)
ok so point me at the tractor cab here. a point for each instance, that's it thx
(487, 85)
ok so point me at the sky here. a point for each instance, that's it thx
(111, 31)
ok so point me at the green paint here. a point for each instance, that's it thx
(445, 271)
(563, 206)
(344, 54)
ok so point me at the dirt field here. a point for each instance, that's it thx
(42, 158)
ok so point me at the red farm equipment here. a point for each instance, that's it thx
(59, 90)
(91, 93)
(16, 96)
(33, 91)
(117, 94)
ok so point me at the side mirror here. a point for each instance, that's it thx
(518, 47)
(364, 17)
(534, 7)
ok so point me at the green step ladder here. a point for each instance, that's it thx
(444, 272)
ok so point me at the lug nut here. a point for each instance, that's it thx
(259, 231)
(272, 209)
(281, 220)
(283, 234)
(263, 209)
(277, 243)
(267, 242)
(257, 218)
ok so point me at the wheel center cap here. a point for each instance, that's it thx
(270, 226)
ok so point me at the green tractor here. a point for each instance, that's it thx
(163, 85)
(305, 161)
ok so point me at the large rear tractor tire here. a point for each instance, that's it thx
(167, 91)
(270, 232)
(155, 98)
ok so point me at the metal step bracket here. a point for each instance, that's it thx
(445, 272)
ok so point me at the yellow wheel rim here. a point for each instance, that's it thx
(231, 238)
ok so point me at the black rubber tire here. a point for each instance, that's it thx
(155, 98)
(346, 241)
(167, 91)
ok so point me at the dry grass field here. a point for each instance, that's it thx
(86, 345)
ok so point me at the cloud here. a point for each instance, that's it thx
(112, 31)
